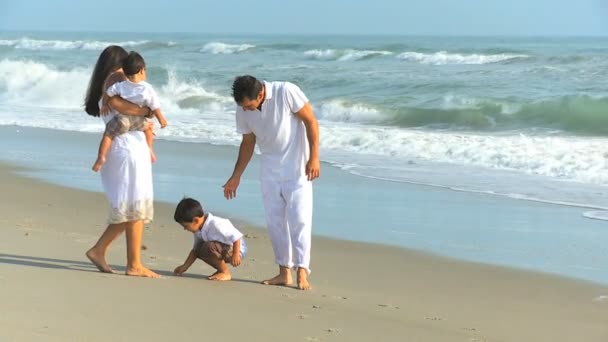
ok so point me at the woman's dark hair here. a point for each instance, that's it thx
(245, 86)
(110, 59)
(133, 64)
(187, 209)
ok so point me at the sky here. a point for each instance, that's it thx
(398, 17)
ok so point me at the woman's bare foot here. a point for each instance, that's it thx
(281, 279)
(152, 155)
(98, 163)
(303, 283)
(220, 276)
(99, 261)
(141, 272)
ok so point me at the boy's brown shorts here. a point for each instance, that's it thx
(213, 249)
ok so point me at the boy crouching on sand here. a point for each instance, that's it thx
(216, 240)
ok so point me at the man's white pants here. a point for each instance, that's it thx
(288, 207)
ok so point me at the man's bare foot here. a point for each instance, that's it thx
(141, 272)
(303, 283)
(281, 279)
(99, 261)
(152, 156)
(220, 276)
(98, 163)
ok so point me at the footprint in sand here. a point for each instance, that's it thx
(389, 306)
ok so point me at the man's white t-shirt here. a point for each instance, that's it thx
(280, 135)
(140, 93)
(219, 229)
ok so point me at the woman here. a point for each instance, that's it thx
(127, 174)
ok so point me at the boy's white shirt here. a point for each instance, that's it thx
(219, 229)
(141, 93)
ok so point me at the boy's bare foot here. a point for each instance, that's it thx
(152, 156)
(303, 283)
(141, 272)
(220, 276)
(281, 279)
(99, 261)
(98, 163)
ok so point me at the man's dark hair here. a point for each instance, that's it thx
(133, 63)
(245, 86)
(187, 209)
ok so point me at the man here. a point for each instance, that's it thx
(278, 117)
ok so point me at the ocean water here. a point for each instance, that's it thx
(513, 121)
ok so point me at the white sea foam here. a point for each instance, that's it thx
(344, 55)
(38, 44)
(444, 57)
(596, 215)
(217, 48)
(39, 85)
(570, 158)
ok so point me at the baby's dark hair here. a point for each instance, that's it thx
(133, 63)
(187, 209)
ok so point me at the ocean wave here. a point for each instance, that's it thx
(36, 84)
(344, 55)
(217, 48)
(37, 44)
(339, 110)
(444, 58)
(575, 114)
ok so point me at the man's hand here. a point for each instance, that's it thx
(313, 169)
(230, 187)
(179, 270)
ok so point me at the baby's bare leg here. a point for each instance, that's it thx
(104, 147)
(149, 133)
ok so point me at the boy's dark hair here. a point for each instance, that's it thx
(187, 209)
(133, 63)
(245, 86)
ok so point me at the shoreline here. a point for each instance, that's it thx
(459, 225)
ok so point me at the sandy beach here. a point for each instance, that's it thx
(362, 292)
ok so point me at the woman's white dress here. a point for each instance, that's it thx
(127, 177)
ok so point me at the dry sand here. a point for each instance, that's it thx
(362, 292)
